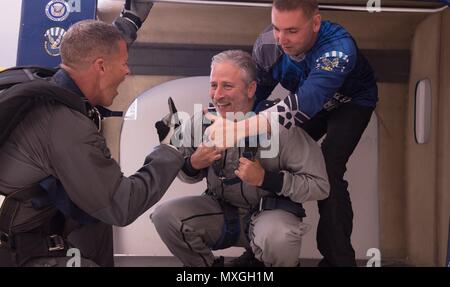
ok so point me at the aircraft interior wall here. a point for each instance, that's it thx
(427, 170)
(443, 175)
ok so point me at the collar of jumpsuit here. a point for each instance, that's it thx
(95, 113)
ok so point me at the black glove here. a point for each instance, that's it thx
(167, 125)
(133, 15)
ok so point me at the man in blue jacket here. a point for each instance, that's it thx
(333, 93)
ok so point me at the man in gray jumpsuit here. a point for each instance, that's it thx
(55, 140)
(239, 206)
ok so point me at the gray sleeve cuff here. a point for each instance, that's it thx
(188, 169)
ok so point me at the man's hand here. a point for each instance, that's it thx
(223, 132)
(132, 17)
(204, 156)
(250, 172)
(136, 11)
(226, 133)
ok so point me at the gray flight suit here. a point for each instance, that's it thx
(54, 140)
(192, 226)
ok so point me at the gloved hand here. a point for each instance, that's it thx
(136, 11)
(132, 17)
(167, 125)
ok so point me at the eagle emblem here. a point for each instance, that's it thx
(57, 10)
(333, 61)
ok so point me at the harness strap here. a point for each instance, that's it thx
(44, 241)
(40, 237)
(37, 244)
(270, 203)
(230, 181)
(11, 205)
(231, 227)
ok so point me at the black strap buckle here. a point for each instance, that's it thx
(95, 116)
(55, 243)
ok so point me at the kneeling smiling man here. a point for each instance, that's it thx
(251, 201)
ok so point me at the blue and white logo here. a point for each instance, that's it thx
(57, 10)
(333, 61)
(53, 38)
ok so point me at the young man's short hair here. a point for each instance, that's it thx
(309, 7)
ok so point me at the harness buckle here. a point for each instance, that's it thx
(261, 204)
(55, 243)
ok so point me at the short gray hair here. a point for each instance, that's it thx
(241, 59)
(87, 40)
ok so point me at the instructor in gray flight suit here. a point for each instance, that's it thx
(58, 142)
(251, 201)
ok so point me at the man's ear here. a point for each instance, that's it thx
(251, 89)
(317, 19)
(99, 65)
